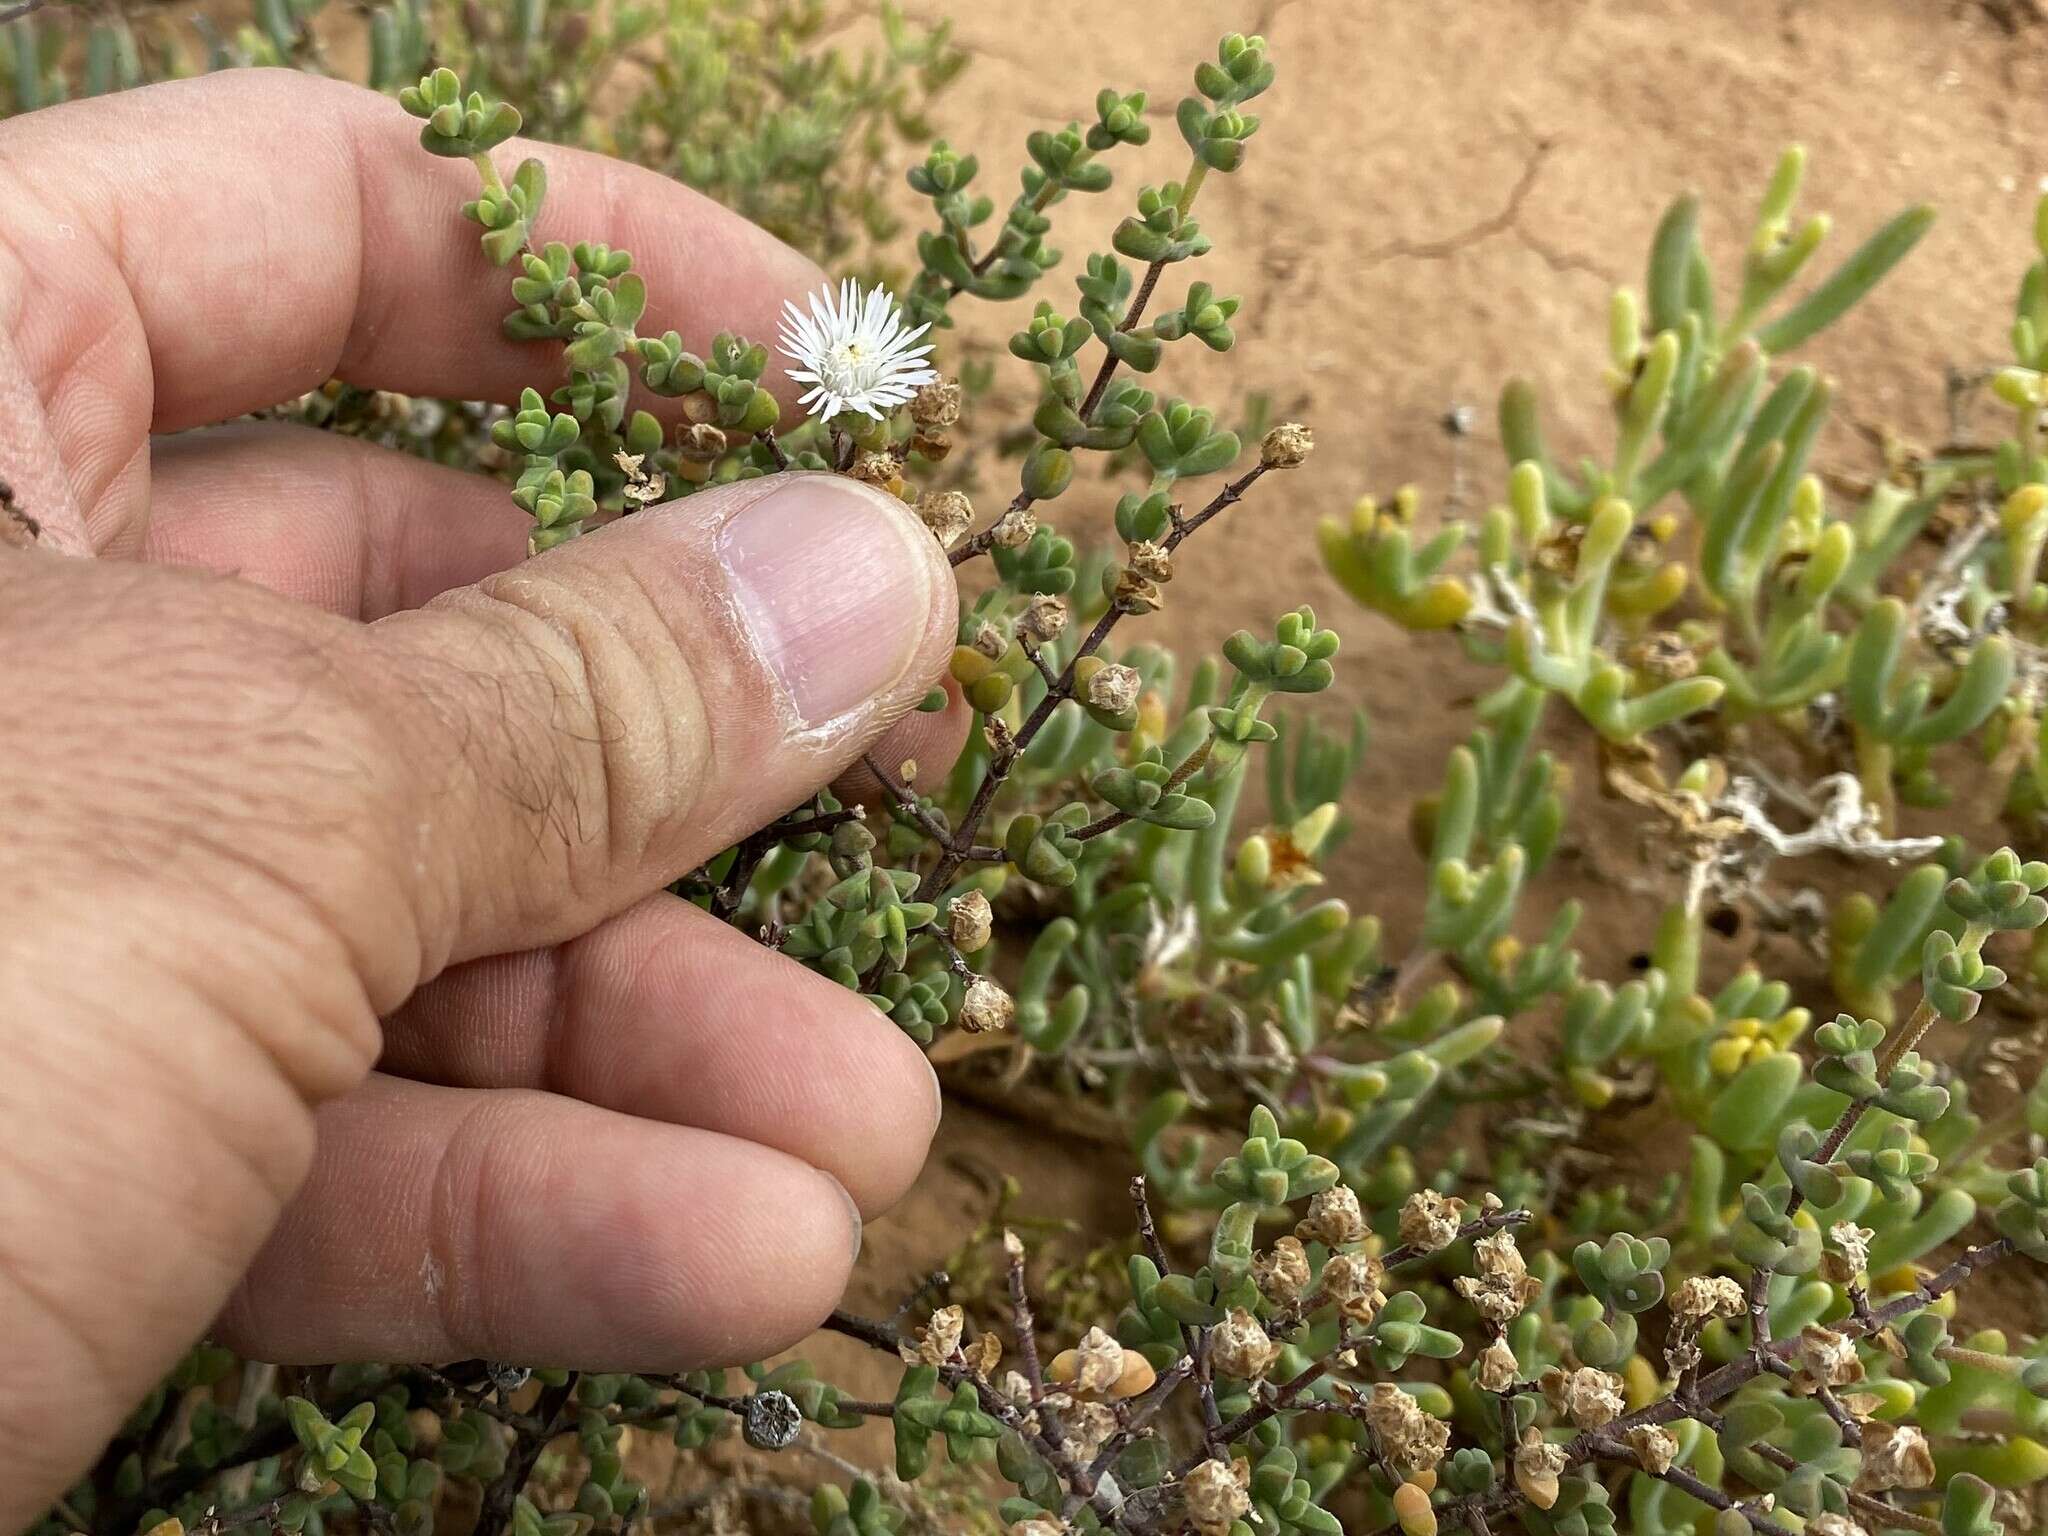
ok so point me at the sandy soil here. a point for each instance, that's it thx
(1443, 195)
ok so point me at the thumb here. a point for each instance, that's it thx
(589, 725)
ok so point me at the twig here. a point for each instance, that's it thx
(882, 1337)
(1479, 1226)
(1679, 1478)
(732, 890)
(1189, 767)
(1724, 1382)
(1132, 316)
(1021, 1319)
(551, 1413)
(904, 800)
(1194, 1340)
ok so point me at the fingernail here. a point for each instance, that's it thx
(852, 1214)
(938, 1092)
(836, 595)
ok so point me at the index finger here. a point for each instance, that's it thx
(191, 251)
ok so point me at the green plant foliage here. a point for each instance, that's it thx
(1339, 1313)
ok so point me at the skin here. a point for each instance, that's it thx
(344, 1013)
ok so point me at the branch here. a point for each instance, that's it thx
(1727, 1380)
(552, 1414)
(1193, 1340)
(1679, 1478)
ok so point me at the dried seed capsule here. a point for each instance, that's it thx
(986, 1007)
(1429, 1220)
(969, 921)
(1538, 1464)
(1655, 1447)
(936, 404)
(1014, 529)
(1044, 618)
(1334, 1218)
(1496, 1368)
(1239, 1346)
(948, 514)
(770, 1420)
(1215, 1494)
(1286, 446)
(1113, 689)
(1282, 1272)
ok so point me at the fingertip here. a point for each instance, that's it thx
(917, 752)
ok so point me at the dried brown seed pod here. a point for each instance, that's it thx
(1286, 446)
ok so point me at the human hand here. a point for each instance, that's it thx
(364, 763)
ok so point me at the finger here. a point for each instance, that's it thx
(668, 1014)
(364, 532)
(333, 521)
(162, 266)
(442, 1224)
(578, 731)
(918, 752)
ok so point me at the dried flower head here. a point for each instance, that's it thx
(1038, 1525)
(1538, 1464)
(986, 1007)
(1352, 1282)
(1044, 618)
(1848, 1253)
(1150, 561)
(1496, 1369)
(854, 352)
(989, 640)
(1092, 1366)
(969, 921)
(1088, 1426)
(1503, 1286)
(770, 1419)
(1664, 656)
(1429, 1220)
(703, 441)
(879, 470)
(1707, 1296)
(936, 405)
(1014, 528)
(643, 485)
(1334, 1218)
(1412, 1440)
(1825, 1359)
(1655, 1447)
(1894, 1456)
(1137, 594)
(937, 1341)
(1114, 688)
(1239, 1346)
(1216, 1494)
(1587, 1396)
(1286, 446)
(1834, 1525)
(1281, 1272)
(948, 514)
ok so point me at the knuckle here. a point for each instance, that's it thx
(606, 752)
(461, 1273)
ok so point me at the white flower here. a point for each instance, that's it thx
(854, 352)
